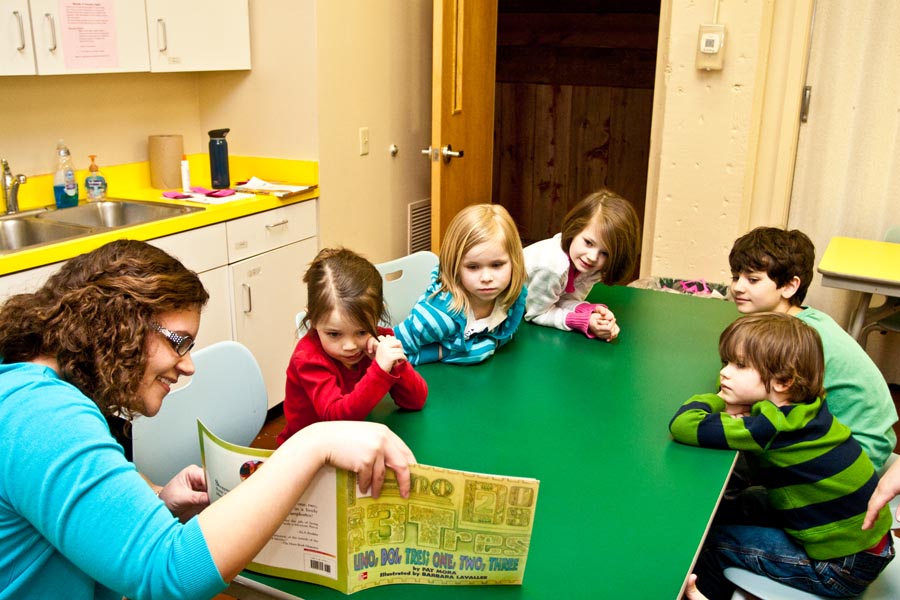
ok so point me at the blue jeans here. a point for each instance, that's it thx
(771, 552)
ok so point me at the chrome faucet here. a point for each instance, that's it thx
(11, 185)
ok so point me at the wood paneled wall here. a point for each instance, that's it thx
(573, 109)
(554, 144)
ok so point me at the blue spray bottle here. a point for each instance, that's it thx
(218, 159)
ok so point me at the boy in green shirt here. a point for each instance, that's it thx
(817, 478)
(771, 270)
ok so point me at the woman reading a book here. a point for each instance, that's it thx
(109, 334)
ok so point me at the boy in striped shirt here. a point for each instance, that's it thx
(806, 532)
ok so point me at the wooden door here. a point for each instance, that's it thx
(463, 76)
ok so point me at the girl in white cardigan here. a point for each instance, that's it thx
(599, 241)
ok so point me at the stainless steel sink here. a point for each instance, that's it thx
(17, 233)
(110, 214)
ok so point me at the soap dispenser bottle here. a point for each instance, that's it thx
(95, 183)
(65, 187)
(218, 159)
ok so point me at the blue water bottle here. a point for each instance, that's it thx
(218, 159)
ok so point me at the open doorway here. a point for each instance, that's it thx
(573, 105)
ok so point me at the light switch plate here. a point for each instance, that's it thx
(711, 47)
(363, 141)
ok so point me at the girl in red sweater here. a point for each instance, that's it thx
(346, 363)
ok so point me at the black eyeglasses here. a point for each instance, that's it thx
(182, 344)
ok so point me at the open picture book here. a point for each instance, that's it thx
(456, 527)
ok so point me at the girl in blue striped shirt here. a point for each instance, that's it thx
(476, 297)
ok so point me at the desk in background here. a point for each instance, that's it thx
(622, 508)
(866, 266)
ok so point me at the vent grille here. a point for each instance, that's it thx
(419, 218)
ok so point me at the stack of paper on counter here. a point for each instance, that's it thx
(255, 185)
(456, 527)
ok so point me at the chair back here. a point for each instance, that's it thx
(227, 393)
(405, 279)
(893, 235)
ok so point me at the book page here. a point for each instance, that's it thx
(456, 528)
(306, 543)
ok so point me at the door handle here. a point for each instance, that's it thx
(448, 152)
(433, 153)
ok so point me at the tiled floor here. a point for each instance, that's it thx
(273, 426)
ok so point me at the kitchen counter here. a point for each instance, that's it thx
(132, 182)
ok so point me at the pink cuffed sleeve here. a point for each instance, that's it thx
(587, 308)
(580, 320)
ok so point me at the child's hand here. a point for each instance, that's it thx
(691, 592)
(737, 411)
(603, 324)
(387, 351)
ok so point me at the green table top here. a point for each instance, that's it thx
(622, 509)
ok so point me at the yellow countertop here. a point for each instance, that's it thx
(132, 182)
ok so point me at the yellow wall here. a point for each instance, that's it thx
(374, 64)
(107, 115)
(321, 70)
(704, 140)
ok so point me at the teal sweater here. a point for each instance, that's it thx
(433, 331)
(818, 478)
(76, 519)
(857, 393)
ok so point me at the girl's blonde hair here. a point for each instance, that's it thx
(472, 226)
(339, 278)
(620, 231)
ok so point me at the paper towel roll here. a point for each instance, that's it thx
(165, 161)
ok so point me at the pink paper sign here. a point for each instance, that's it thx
(89, 33)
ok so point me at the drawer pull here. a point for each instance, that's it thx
(246, 299)
(18, 17)
(161, 27)
(49, 18)
(278, 224)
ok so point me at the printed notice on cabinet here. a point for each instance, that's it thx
(89, 33)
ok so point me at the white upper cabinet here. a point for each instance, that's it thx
(96, 36)
(16, 47)
(201, 35)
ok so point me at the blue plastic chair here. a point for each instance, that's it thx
(227, 393)
(405, 279)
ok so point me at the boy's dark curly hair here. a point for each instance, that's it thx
(94, 315)
(780, 253)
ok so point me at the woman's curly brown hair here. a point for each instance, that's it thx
(93, 316)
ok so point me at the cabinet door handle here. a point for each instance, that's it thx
(246, 299)
(278, 224)
(49, 18)
(21, 45)
(161, 26)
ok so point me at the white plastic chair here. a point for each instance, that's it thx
(886, 587)
(405, 279)
(887, 316)
(227, 393)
